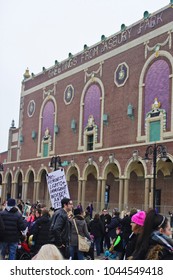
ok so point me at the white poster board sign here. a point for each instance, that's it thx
(58, 188)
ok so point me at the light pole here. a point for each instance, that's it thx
(155, 150)
(55, 162)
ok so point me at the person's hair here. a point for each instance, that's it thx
(96, 216)
(45, 212)
(133, 211)
(48, 252)
(38, 210)
(115, 212)
(153, 221)
(65, 201)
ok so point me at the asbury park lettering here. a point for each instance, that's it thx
(107, 45)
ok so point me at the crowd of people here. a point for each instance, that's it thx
(35, 232)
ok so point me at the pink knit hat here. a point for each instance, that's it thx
(139, 218)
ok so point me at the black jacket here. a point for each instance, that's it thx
(2, 228)
(115, 222)
(160, 247)
(130, 246)
(59, 233)
(14, 224)
(40, 232)
(96, 228)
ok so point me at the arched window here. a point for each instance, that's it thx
(156, 100)
(47, 128)
(155, 120)
(92, 117)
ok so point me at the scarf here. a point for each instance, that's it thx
(163, 240)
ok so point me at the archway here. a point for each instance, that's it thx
(43, 189)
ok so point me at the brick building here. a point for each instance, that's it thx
(101, 110)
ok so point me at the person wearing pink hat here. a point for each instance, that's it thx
(153, 242)
(137, 222)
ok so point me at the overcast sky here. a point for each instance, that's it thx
(35, 33)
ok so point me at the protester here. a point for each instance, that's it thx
(87, 218)
(152, 244)
(20, 205)
(37, 213)
(106, 219)
(90, 209)
(40, 231)
(110, 228)
(126, 225)
(83, 231)
(48, 252)
(116, 250)
(2, 228)
(137, 222)
(166, 228)
(97, 230)
(14, 224)
(80, 207)
(60, 227)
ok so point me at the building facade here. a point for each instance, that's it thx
(101, 111)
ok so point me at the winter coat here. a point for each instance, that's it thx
(106, 219)
(82, 229)
(14, 224)
(160, 248)
(2, 227)
(126, 228)
(115, 222)
(40, 232)
(96, 228)
(59, 232)
(130, 246)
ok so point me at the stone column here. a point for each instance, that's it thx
(120, 202)
(83, 193)
(146, 199)
(102, 205)
(36, 191)
(126, 192)
(3, 194)
(79, 195)
(13, 189)
(24, 190)
(98, 195)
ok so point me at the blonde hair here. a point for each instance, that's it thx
(48, 252)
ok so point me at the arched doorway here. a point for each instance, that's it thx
(19, 186)
(43, 189)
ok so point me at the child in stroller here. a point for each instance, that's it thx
(23, 250)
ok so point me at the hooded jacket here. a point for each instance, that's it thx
(161, 247)
(13, 223)
(82, 229)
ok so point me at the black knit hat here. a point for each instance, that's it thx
(77, 211)
(11, 202)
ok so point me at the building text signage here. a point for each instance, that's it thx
(107, 45)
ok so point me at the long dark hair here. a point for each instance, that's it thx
(153, 221)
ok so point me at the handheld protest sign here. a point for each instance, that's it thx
(58, 188)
